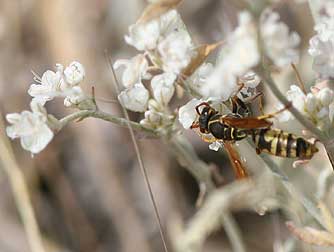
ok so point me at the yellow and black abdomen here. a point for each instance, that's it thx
(283, 144)
(224, 132)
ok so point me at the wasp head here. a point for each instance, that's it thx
(204, 116)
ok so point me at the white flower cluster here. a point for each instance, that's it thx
(280, 44)
(35, 127)
(322, 44)
(62, 83)
(149, 78)
(317, 106)
(241, 54)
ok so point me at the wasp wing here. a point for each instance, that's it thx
(245, 122)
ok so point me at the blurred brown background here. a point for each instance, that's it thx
(86, 186)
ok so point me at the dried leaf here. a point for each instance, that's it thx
(311, 235)
(203, 52)
(157, 9)
(328, 217)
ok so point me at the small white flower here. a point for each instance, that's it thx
(74, 97)
(144, 36)
(310, 103)
(323, 57)
(74, 73)
(163, 87)
(331, 112)
(215, 146)
(31, 128)
(176, 51)
(50, 85)
(221, 84)
(187, 113)
(280, 44)
(199, 78)
(297, 97)
(135, 98)
(322, 44)
(326, 96)
(135, 70)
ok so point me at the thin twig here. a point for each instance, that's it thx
(299, 78)
(106, 117)
(139, 157)
(233, 232)
(20, 192)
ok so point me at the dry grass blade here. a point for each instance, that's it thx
(157, 9)
(311, 235)
(203, 52)
(139, 158)
(20, 192)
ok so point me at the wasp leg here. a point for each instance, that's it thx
(208, 139)
(271, 115)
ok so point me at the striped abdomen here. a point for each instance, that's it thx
(224, 132)
(282, 144)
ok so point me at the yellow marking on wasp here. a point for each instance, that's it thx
(213, 121)
(284, 144)
(274, 142)
(308, 150)
(293, 147)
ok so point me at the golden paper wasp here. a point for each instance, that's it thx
(230, 128)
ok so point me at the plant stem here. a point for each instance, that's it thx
(233, 232)
(188, 158)
(20, 193)
(106, 117)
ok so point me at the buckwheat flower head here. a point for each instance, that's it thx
(221, 84)
(31, 127)
(176, 51)
(322, 44)
(316, 106)
(187, 113)
(49, 86)
(323, 58)
(163, 87)
(74, 73)
(135, 98)
(280, 44)
(235, 60)
(135, 70)
(145, 37)
(200, 76)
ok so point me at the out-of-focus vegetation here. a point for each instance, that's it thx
(86, 187)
